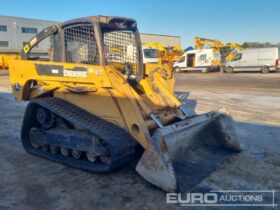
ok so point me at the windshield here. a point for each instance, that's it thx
(121, 51)
(150, 53)
(120, 44)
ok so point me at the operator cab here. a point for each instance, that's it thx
(97, 40)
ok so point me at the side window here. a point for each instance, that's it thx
(80, 44)
(237, 57)
(4, 44)
(182, 59)
(27, 30)
(203, 57)
(3, 28)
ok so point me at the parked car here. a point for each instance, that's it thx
(255, 59)
(204, 59)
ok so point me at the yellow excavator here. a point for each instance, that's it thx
(201, 43)
(232, 49)
(165, 55)
(228, 51)
(94, 109)
(6, 58)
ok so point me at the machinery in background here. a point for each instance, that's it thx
(202, 43)
(231, 49)
(215, 45)
(94, 111)
(6, 58)
(171, 55)
(227, 51)
(153, 50)
(156, 55)
(177, 51)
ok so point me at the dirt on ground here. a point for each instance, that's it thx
(30, 182)
(247, 96)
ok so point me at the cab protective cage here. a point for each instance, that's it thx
(93, 29)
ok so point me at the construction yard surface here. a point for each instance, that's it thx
(253, 100)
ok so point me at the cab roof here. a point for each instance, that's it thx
(99, 19)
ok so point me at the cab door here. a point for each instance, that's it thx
(250, 60)
(237, 62)
(181, 63)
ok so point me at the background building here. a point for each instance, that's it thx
(165, 40)
(16, 31)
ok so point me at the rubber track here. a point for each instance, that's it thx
(120, 144)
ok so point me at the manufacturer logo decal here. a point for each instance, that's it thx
(61, 71)
(71, 73)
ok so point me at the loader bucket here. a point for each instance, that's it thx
(182, 154)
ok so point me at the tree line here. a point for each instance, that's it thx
(259, 44)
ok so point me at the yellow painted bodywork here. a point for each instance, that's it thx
(235, 48)
(1, 61)
(201, 43)
(166, 55)
(166, 72)
(104, 92)
(5, 60)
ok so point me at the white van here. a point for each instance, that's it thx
(203, 59)
(255, 59)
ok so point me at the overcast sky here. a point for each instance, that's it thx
(228, 21)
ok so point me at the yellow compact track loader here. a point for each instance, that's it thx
(92, 106)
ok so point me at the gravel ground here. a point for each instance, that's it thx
(29, 182)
